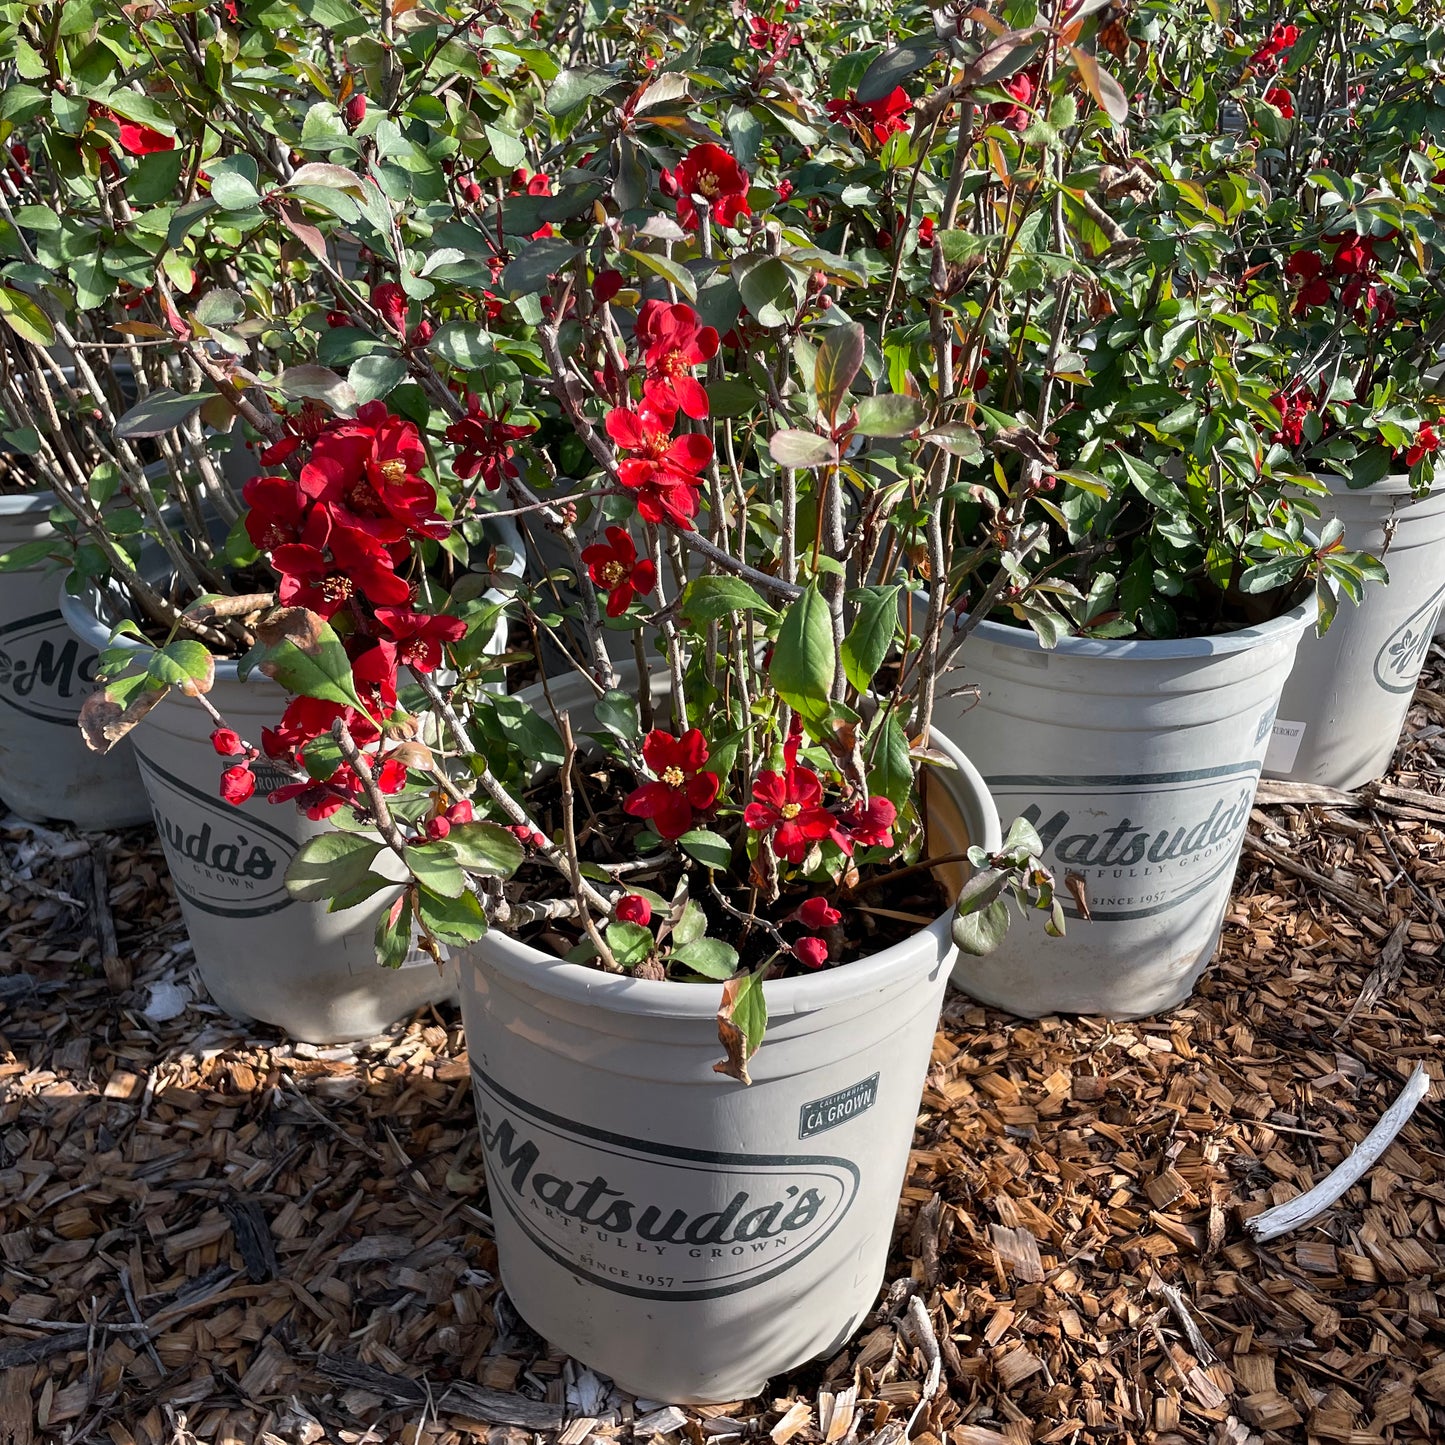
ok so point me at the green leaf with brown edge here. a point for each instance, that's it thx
(630, 943)
(486, 848)
(185, 664)
(840, 356)
(742, 1019)
(300, 651)
(330, 863)
(108, 715)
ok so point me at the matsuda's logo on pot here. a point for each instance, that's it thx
(1398, 662)
(1143, 843)
(650, 1219)
(222, 859)
(45, 672)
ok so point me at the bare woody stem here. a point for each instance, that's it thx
(385, 824)
(569, 837)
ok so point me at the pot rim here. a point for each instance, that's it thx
(1148, 650)
(787, 997)
(23, 504)
(1394, 484)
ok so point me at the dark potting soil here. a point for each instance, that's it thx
(886, 905)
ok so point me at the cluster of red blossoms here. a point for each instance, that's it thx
(662, 470)
(882, 117)
(1354, 267)
(1293, 406)
(1426, 444)
(1024, 88)
(1271, 55)
(337, 535)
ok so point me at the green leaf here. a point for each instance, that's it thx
(528, 274)
(486, 848)
(220, 307)
(507, 150)
(232, 191)
(958, 439)
(980, 932)
(435, 866)
(575, 86)
(25, 318)
(375, 376)
(630, 943)
(527, 731)
(155, 177)
(840, 356)
(803, 658)
(299, 650)
(729, 398)
(691, 926)
(889, 416)
(617, 711)
(393, 934)
(892, 771)
(30, 554)
(321, 757)
(707, 599)
(750, 1009)
(185, 664)
(801, 449)
(868, 640)
(669, 270)
(712, 850)
(458, 920)
(886, 72)
(710, 957)
(767, 292)
(162, 411)
(329, 864)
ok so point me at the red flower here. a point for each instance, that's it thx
(141, 140)
(311, 579)
(485, 445)
(674, 341)
(1281, 100)
(633, 908)
(354, 112)
(925, 232)
(277, 508)
(1022, 87)
(811, 952)
(790, 806)
(226, 743)
(867, 827)
(614, 566)
(1270, 56)
(365, 470)
(663, 471)
(681, 787)
(818, 913)
(882, 117)
(389, 299)
(710, 171)
(1293, 407)
(237, 784)
(1426, 444)
(420, 635)
(1304, 265)
(785, 189)
(1355, 256)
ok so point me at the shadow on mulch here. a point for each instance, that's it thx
(207, 1232)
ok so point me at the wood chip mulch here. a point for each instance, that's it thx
(210, 1233)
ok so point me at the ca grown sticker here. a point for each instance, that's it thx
(1142, 843)
(222, 859)
(45, 671)
(653, 1220)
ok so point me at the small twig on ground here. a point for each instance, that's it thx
(1370, 907)
(921, 1327)
(1294, 1212)
(117, 971)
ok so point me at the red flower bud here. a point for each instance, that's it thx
(811, 952)
(226, 742)
(818, 913)
(606, 286)
(354, 111)
(237, 784)
(438, 828)
(633, 908)
(460, 813)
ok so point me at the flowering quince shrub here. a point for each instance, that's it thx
(794, 342)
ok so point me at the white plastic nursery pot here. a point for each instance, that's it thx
(46, 672)
(1137, 763)
(1345, 702)
(260, 954)
(687, 1235)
